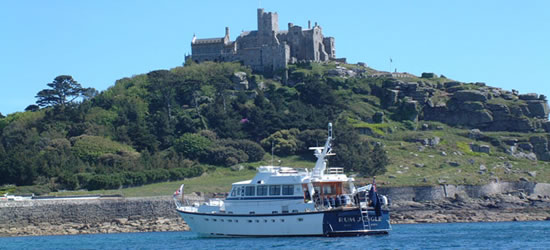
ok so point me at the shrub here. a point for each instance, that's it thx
(193, 146)
(253, 150)
(226, 156)
(284, 142)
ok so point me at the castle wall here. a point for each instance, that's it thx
(329, 47)
(268, 49)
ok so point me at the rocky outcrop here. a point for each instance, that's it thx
(240, 81)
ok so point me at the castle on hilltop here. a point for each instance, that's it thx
(267, 49)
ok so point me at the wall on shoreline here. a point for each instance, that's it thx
(56, 212)
(431, 193)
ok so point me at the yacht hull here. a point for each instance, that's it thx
(338, 222)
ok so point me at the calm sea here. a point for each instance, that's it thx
(501, 235)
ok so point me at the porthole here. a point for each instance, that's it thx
(257, 221)
(214, 220)
(282, 220)
(265, 221)
(300, 219)
(206, 219)
(229, 220)
(221, 220)
(272, 220)
(249, 221)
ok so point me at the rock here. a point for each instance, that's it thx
(538, 109)
(419, 165)
(485, 149)
(482, 167)
(453, 163)
(525, 146)
(378, 117)
(538, 141)
(475, 134)
(443, 153)
(472, 106)
(240, 81)
(480, 148)
(532, 173)
(392, 176)
(470, 95)
(471, 161)
(529, 96)
(391, 97)
(546, 126)
(434, 141)
(523, 179)
(425, 127)
(410, 110)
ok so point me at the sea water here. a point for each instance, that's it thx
(498, 235)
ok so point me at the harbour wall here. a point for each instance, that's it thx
(433, 193)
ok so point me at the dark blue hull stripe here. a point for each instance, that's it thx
(269, 198)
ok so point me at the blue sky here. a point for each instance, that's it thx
(503, 43)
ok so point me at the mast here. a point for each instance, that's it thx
(321, 153)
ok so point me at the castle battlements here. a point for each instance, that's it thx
(267, 49)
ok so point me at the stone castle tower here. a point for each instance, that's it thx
(267, 49)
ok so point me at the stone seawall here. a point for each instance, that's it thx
(106, 215)
(445, 203)
(433, 193)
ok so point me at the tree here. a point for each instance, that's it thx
(64, 89)
(32, 108)
(1, 115)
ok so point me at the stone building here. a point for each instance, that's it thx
(267, 49)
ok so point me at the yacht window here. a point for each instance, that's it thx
(262, 190)
(288, 189)
(250, 191)
(233, 191)
(327, 189)
(274, 189)
(241, 189)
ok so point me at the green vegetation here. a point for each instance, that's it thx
(147, 134)
(167, 125)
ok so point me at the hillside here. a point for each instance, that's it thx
(179, 123)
